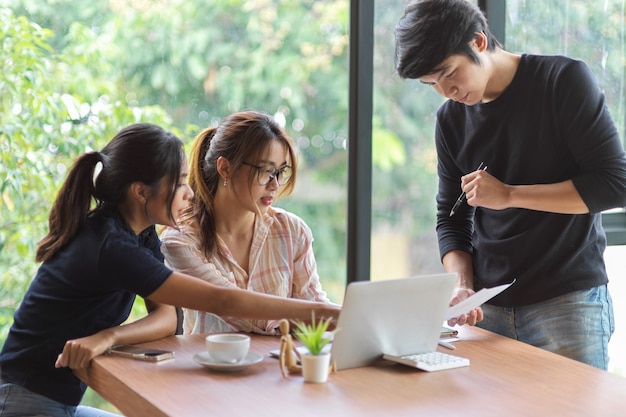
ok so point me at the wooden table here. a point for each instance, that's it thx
(505, 378)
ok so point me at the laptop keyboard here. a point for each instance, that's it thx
(433, 361)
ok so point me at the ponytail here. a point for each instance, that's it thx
(204, 186)
(204, 191)
(71, 206)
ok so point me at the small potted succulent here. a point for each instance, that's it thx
(314, 337)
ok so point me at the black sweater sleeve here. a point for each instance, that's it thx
(592, 138)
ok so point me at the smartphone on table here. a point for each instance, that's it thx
(140, 353)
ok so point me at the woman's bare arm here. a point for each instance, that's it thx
(186, 291)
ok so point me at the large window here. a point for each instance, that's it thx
(403, 162)
(185, 65)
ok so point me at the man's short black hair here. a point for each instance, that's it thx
(432, 30)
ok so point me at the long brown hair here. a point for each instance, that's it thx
(240, 137)
(140, 152)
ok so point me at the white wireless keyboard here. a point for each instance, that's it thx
(433, 361)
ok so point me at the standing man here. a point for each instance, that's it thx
(531, 143)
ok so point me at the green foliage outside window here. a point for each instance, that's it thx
(49, 114)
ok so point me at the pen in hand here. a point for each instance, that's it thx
(462, 196)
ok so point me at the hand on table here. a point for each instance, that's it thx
(78, 353)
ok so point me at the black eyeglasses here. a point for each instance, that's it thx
(266, 174)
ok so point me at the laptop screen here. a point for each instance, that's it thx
(397, 317)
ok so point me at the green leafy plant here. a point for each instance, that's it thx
(312, 335)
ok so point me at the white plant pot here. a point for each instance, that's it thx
(315, 368)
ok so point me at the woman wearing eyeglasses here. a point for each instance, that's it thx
(232, 235)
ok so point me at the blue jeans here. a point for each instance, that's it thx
(577, 325)
(17, 401)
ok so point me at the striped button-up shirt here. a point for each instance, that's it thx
(281, 263)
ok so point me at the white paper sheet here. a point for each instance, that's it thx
(476, 300)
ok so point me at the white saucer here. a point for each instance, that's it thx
(205, 360)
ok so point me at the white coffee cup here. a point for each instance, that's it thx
(228, 347)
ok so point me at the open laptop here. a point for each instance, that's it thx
(393, 317)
